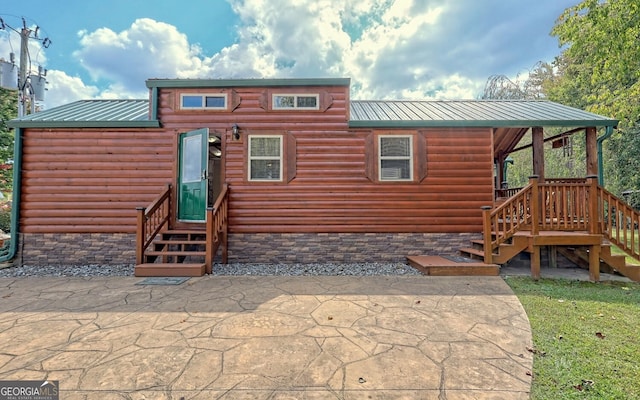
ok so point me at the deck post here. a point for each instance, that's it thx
(140, 234)
(535, 263)
(486, 234)
(594, 263)
(170, 206)
(208, 258)
(553, 256)
(535, 204)
(594, 217)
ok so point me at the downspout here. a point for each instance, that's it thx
(607, 135)
(15, 201)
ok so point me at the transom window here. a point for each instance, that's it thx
(265, 158)
(297, 101)
(395, 161)
(203, 101)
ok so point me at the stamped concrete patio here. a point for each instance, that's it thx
(271, 337)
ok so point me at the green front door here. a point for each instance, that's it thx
(192, 195)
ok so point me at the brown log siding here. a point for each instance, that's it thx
(85, 181)
(332, 193)
(91, 181)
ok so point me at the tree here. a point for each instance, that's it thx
(568, 161)
(8, 110)
(599, 71)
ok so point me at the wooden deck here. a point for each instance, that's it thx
(454, 266)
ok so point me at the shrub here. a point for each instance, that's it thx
(5, 216)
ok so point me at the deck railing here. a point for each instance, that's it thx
(151, 220)
(217, 225)
(619, 222)
(571, 204)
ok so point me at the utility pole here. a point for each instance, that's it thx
(30, 88)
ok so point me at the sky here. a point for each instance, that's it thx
(391, 49)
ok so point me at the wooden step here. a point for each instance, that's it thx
(440, 266)
(175, 253)
(170, 269)
(179, 241)
(630, 271)
(474, 253)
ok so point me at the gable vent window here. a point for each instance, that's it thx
(296, 101)
(395, 158)
(203, 101)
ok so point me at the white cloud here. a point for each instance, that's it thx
(389, 48)
(63, 89)
(146, 49)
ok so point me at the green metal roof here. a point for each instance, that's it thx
(365, 114)
(225, 83)
(90, 114)
(470, 113)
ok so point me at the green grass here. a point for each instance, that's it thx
(586, 340)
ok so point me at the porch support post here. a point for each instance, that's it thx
(592, 150)
(500, 171)
(537, 135)
(593, 206)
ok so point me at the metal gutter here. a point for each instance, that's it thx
(83, 124)
(607, 135)
(474, 123)
(15, 201)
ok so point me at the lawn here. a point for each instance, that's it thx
(586, 341)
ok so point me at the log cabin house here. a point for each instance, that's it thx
(294, 171)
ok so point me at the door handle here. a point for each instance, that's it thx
(204, 175)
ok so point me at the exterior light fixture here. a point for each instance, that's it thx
(235, 129)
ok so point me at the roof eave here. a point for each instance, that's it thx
(225, 83)
(83, 124)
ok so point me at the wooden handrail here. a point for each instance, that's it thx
(151, 220)
(508, 192)
(619, 222)
(505, 220)
(565, 180)
(217, 227)
(563, 205)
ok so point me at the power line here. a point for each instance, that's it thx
(30, 87)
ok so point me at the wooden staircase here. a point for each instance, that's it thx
(502, 254)
(175, 253)
(163, 250)
(609, 263)
(577, 217)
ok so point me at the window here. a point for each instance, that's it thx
(203, 101)
(296, 101)
(265, 158)
(395, 158)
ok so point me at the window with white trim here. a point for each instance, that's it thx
(296, 101)
(395, 158)
(265, 158)
(196, 101)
